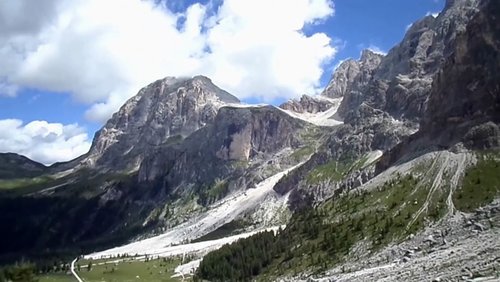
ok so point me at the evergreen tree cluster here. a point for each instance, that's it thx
(308, 241)
(241, 260)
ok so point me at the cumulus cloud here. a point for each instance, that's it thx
(429, 13)
(433, 14)
(42, 141)
(102, 52)
(25, 16)
(377, 50)
(374, 48)
(7, 89)
(257, 49)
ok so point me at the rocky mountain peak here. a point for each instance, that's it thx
(341, 79)
(164, 109)
(400, 82)
(350, 71)
(370, 59)
(203, 82)
(469, 84)
(308, 104)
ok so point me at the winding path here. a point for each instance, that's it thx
(74, 272)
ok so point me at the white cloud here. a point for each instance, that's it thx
(42, 141)
(433, 14)
(25, 16)
(102, 52)
(374, 48)
(7, 89)
(429, 13)
(377, 50)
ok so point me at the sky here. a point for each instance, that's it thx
(67, 65)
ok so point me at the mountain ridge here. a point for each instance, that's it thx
(14, 165)
(373, 164)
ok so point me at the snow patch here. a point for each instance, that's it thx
(234, 105)
(326, 118)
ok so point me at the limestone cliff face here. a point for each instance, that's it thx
(308, 104)
(237, 136)
(410, 67)
(244, 133)
(394, 90)
(464, 103)
(469, 83)
(400, 82)
(164, 110)
(349, 79)
(342, 79)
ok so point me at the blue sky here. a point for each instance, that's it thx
(36, 92)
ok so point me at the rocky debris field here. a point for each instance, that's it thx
(461, 247)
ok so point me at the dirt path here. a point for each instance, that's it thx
(74, 272)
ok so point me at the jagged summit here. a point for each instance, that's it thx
(348, 72)
(407, 181)
(164, 109)
(400, 82)
(223, 95)
(307, 104)
(198, 81)
(370, 58)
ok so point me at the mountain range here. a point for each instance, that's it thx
(392, 172)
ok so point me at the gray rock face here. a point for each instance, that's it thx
(168, 108)
(470, 84)
(398, 86)
(464, 104)
(237, 136)
(243, 133)
(342, 79)
(400, 82)
(412, 66)
(183, 135)
(350, 79)
(352, 74)
(307, 104)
